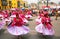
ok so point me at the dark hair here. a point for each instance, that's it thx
(17, 14)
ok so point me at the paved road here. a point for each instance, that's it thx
(33, 34)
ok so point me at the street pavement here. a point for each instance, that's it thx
(33, 34)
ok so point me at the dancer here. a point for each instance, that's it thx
(44, 25)
(28, 15)
(17, 27)
(2, 23)
(40, 26)
(48, 30)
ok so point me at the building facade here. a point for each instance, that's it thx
(7, 4)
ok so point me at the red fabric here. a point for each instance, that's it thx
(45, 12)
(6, 11)
(20, 11)
(29, 12)
(18, 22)
(43, 20)
(22, 15)
(2, 13)
(41, 11)
(6, 15)
(48, 23)
(14, 13)
(41, 15)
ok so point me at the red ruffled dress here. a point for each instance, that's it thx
(48, 27)
(17, 27)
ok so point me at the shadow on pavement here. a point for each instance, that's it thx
(28, 36)
(49, 37)
(55, 37)
(2, 31)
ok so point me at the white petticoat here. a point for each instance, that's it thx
(40, 28)
(38, 20)
(1, 15)
(18, 30)
(7, 19)
(12, 16)
(45, 31)
(28, 16)
(2, 23)
(48, 32)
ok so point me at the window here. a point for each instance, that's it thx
(4, 2)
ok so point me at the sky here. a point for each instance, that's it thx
(35, 1)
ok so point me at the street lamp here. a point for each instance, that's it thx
(4, 4)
